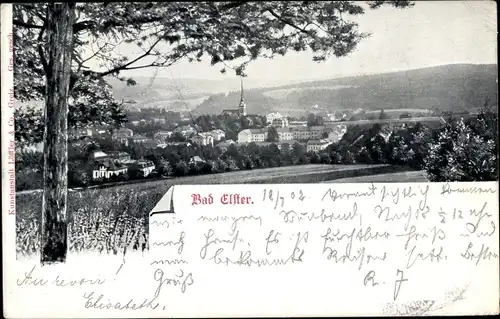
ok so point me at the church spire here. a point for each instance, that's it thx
(242, 107)
(242, 99)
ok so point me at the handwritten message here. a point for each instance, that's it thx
(329, 249)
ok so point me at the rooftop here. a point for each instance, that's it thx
(318, 142)
(97, 154)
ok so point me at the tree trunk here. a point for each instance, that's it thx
(59, 28)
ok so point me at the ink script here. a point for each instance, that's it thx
(386, 243)
(350, 249)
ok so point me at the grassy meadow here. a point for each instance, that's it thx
(115, 220)
(110, 221)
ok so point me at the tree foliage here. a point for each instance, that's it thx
(463, 152)
(272, 134)
(231, 33)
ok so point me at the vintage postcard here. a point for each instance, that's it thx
(249, 159)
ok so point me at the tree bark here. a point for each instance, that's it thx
(60, 19)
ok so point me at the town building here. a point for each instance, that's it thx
(163, 135)
(203, 138)
(158, 120)
(307, 133)
(317, 145)
(331, 117)
(164, 145)
(336, 133)
(242, 107)
(99, 156)
(146, 167)
(120, 156)
(295, 124)
(196, 160)
(282, 122)
(218, 134)
(108, 169)
(185, 130)
(273, 116)
(252, 135)
(284, 134)
(122, 135)
(138, 139)
(123, 131)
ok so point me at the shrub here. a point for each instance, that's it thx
(460, 154)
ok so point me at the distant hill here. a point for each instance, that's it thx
(447, 87)
(260, 103)
(174, 94)
(162, 92)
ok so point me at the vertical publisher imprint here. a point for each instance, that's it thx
(11, 156)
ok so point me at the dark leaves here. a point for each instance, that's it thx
(131, 82)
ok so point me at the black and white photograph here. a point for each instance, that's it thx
(117, 102)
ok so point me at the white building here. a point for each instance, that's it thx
(123, 132)
(99, 156)
(283, 122)
(203, 139)
(284, 134)
(331, 117)
(138, 139)
(121, 157)
(307, 133)
(252, 135)
(108, 169)
(185, 130)
(272, 116)
(163, 135)
(317, 145)
(337, 133)
(196, 160)
(146, 167)
(295, 124)
(218, 134)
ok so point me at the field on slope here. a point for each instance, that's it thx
(114, 220)
(399, 177)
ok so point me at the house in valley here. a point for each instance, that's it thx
(108, 169)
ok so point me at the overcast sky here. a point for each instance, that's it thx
(428, 34)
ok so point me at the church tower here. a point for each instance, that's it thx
(242, 108)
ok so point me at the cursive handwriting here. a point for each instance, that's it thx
(179, 242)
(235, 220)
(181, 279)
(432, 255)
(481, 214)
(291, 216)
(334, 195)
(478, 255)
(101, 302)
(210, 239)
(446, 189)
(30, 279)
(384, 238)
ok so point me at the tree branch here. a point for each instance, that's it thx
(126, 65)
(26, 25)
(87, 24)
(45, 65)
(290, 23)
(82, 62)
